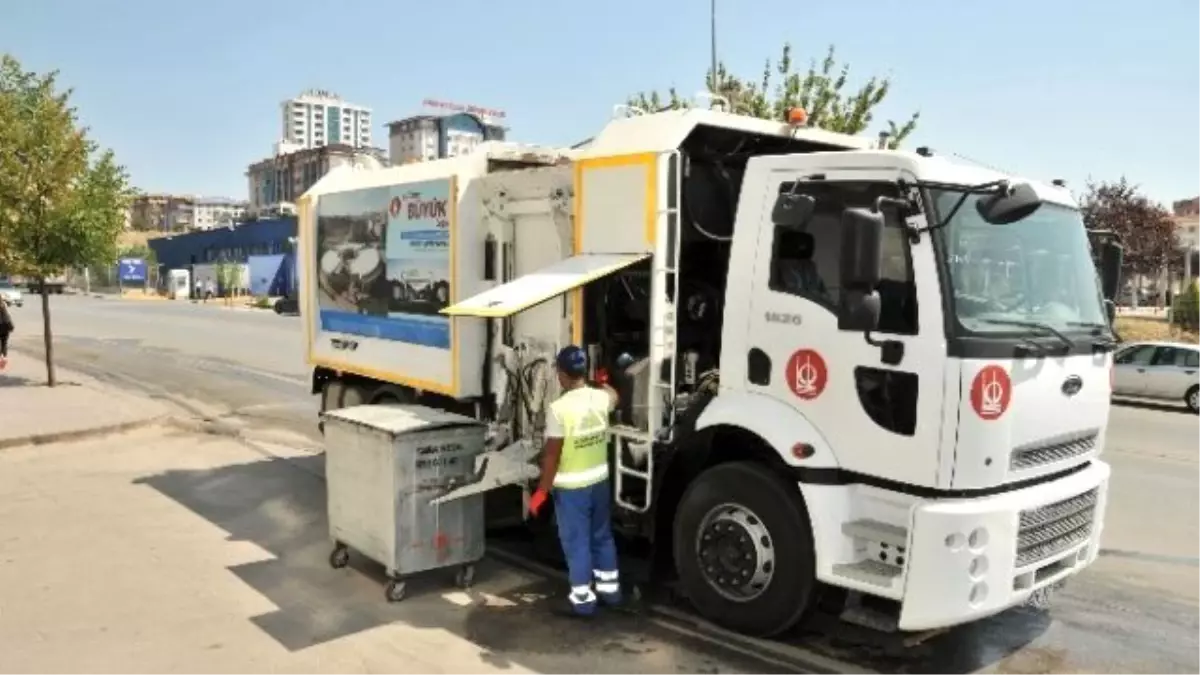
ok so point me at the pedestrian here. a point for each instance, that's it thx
(575, 472)
(6, 329)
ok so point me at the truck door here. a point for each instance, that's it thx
(880, 416)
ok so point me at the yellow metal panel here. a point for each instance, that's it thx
(647, 159)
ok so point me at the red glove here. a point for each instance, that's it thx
(537, 500)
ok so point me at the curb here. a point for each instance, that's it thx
(80, 434)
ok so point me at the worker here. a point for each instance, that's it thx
(575, 472)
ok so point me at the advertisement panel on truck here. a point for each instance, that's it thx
(366, 242)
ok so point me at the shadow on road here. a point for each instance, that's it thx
(279, 505)
(1157, 406)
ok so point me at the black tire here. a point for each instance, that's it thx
(394, 590)
(1190, 398)
(339, 558)
(354, 395)
(465, 576)
(778, 504)
(331, 395)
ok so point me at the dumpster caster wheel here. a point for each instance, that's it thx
(394, 590)
(465, 576)
(339, 558)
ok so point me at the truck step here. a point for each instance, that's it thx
(873, 530)
(869, 571)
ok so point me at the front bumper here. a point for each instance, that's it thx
(971, 558)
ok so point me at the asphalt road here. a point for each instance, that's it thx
(1135, 610)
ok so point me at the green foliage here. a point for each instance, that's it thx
(62, 200)
(227, 277)
(1185, 310)
(821, 91)
(263, 302)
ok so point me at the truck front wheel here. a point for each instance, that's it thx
(743, 549)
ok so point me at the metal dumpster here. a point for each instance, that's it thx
(383, 465)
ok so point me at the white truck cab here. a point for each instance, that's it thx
(875, 372)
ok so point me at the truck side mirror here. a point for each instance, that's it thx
(793, 210)
(861, 269)
(1112, 256)
(862, 244)
(1008, 204)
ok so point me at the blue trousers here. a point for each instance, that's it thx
(585, 531)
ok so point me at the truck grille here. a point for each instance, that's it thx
(1054, 528)
(1050, 451)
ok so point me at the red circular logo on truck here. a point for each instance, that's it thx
(807, 374)
(991, 392)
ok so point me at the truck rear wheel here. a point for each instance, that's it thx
(743, 549)
(354, 395)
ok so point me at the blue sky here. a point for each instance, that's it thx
(188, 94)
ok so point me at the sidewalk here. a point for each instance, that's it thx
(158, 551)
(79, 407)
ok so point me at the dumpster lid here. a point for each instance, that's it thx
(398, 419)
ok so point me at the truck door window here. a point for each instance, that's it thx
(806, 264)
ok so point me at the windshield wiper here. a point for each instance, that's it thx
(1051, 330)
(1097, 330)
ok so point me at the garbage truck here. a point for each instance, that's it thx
(850, 377)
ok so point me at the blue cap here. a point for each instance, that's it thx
(572, 360)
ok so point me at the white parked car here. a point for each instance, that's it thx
(1168, 371)
(11, 294)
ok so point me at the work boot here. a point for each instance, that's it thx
(565, 609)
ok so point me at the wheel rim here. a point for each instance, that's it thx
(1193, 399)
(736, 553)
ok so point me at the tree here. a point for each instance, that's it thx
(821, 92)
(1146, 229)
(228, 279)
(62, 200)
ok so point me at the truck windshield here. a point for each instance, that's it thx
(1032, 276)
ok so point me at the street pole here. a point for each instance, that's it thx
(713, 30)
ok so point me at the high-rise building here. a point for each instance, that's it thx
(318, 118)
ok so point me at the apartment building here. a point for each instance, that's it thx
(318, 118)
(274, 184)
(161, 212)
(424, 137)
(210, 212)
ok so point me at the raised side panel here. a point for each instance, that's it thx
(616, 204)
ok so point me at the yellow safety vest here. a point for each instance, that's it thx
(583, 414)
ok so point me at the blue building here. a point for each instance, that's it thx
(229, 244)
